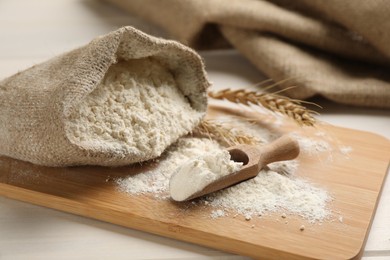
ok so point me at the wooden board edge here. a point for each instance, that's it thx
(359, 255)
(140, 223)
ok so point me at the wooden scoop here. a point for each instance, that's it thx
(253, 159)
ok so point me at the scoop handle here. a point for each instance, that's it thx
(283, 148)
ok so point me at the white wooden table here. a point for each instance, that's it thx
(33, 31)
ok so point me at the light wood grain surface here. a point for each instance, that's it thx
(354, 181)
(33, 31)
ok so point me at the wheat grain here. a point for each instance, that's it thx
(273, 102)
(226, 136)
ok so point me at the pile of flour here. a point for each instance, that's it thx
(195, 174)
(271, 191)
(137, 110)
(276, 188)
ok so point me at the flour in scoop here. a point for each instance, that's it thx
(195, 174)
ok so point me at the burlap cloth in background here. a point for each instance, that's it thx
(339, 49)
(35, 103)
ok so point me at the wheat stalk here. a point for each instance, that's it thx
(224, 135)
(273, 102)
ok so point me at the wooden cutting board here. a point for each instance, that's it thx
(354, 180)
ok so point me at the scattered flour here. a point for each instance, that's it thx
(137, 110)
(346, 150)
(195, 174)
(217, 213)
(315, 146)
(276, 188)
(271, 191)
(321, 134)
(312, 146)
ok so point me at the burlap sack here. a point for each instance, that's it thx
(34, 103)
(339, 49)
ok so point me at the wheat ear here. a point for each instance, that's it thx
(224, 135)
(273, 102)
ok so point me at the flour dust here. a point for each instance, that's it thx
(276, 188)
